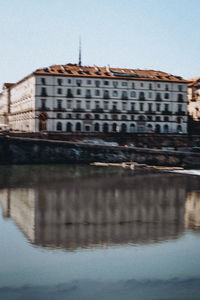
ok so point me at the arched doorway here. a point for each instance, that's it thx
(166, 128)
(114, 127)
(78, 126)
(123, 127)
(43, 117)
(69, 127)
(96, 127)
(157, 130)
(59, 126)
(105, 127)
(132, 128)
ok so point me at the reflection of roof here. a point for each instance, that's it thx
(107, 72)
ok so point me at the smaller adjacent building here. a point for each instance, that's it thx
(194, 98)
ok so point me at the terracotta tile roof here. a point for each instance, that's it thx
(195, 82)
(107, 72)
(8, 84)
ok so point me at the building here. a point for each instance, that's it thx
(75, 98)
(194, 98)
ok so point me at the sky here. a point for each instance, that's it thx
(142, 34)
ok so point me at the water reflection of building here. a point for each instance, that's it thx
(84, 214)
(192, 212)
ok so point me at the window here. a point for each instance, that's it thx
(105, 117)
(97, 92)
(105, 105)
(43, 92)
(124, 117)
(141, 106)
(115, 84)
(59, 91)
(78, 126)
(43, 103)
(158, 107)
(132, 106)
(150, 94)
(106, 82)
(59, 116)
(133, 94)
(69, 104)
(166, 119)
(59, 104)
(141, 96)
(179, 107)
(78, 104)
(124, 83)
(88, 94)
(166, 87)
(68, 116)
(96, 117)
(133, 85)
(43, 81)
(78, 116)
(141, 84)
(69, 93)
(89, 81)
(158, 85)
(124, 106)
(149, 118)
(78, 92)
(97, 83)
(115, 93)
(150, 86)
(69, 81)
(78, 82)
(124, 95)
(166, 107)
(158, 97)
(59, 126)
(150, 106)
(96, 127)
(106, 94)
(180, 88)
(157, 119)
(166, 95)
(97, 105)
(59, 81)
(180, 97)
(87, 104)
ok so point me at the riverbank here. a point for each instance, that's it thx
(15, 150)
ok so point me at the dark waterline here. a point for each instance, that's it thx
(78, 232)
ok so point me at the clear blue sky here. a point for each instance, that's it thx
(150, 34)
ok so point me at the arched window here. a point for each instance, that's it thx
(124, 117)
(123, 127)
(166, 128)
(132, 128)
(105, 127)
(78, 126)
(141, 118)
(114, 127)
(96, 127)
(69, 127)
(133, 94)
(59, 126)
(88, 116)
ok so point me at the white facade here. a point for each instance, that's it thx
(52, 101)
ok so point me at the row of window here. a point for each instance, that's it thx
(107, 94)
(113, 128)
(115, 106)
(113, 83)
(116, 117)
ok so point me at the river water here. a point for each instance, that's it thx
(80, 232)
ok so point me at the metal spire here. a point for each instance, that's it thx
(79, 62)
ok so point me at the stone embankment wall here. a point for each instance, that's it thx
(34, 151)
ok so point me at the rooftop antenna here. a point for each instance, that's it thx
(79, 60)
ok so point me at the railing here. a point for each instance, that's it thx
(69, 95)
(79, 109)
(166, 112)
(180, 113)
(114, 110)
(88, 96)
(44, 108)
(98, 110)
(59, 109)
